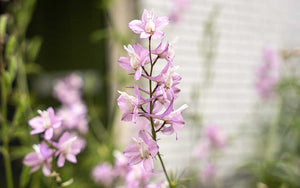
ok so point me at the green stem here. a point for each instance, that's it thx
(5, 150)
(151, 110)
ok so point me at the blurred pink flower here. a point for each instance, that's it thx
(216, 136)
(68, 147)
(74, 117)
(179, 7)
(68, 90)
(143, 149)
(267, 73)
(103, 174)
(149, 26)
(42, 156)
(138, 177)
(209, 172)
(46, 122)
(202, 150)
(138, 57)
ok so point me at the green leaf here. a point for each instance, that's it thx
(10, 46)
(33, 48)
(3, 23)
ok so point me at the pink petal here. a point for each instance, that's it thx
(49, 133)
(136, 26)
(148, 165)
(61, 160)
(138, 73)
(71, 158)
(161, 22)
(144, 35)
(157, 35)
(124, 62)
(46, 170)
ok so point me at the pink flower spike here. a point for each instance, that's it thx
(42, 156)
(149, 26)
(68, 147)
(46, 122)
(143, 149)
(138, 57)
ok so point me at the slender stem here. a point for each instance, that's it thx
(151, 110)
(161, 127)
(164, 168)
(8, 171)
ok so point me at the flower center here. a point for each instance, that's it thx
(144, 152)
(46, 118)
(150, 26)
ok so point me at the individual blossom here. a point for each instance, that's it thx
(46, 122)
(42, 156)
(167, 52)
(138, 57)
(129, 105)
(149, 26)
(137, 177)
(216, 136)
(103, 174)
(68, 90)
(143, 149)
(68, 147)
(74, 117)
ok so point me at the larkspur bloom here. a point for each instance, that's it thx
(138, 57)
(138, 177)
(68, 147)
(74, 117)
(103, 174)
(68, 90)
(149, 26)
(130, 105)
(267, 73)
(42, 156)
(179, 7)
(209, 173)
(215, 135)
(166, 52)
(143, 149)
(46, 122)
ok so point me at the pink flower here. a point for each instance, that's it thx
(143, 149)
(41, 157)
(68, 147)
(267, 73)
(129, 105)
(74, 117)
(167, 52)
(138, 177)
(202, 150)
(209, 172)
(216, 136)
(103, 174)
(179, 7)
(46, 122)
(138, 57)
(175, 120)
(68, 90)
(149, 26)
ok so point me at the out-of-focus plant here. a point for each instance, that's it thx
(17, 56)
(277, 164)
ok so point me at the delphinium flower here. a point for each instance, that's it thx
(267, 73)
(73, 111)
(213, 141)
(46, 122)
(42, 156)
(51, 149)
(154, 104)
(121, 175)
(177, 10)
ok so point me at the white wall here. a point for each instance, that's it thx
(245, 26)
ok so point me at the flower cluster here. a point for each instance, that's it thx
(73, 111)
(123, 176)
(213, 141)
(155, 104)
(59, 141)
(267, 73)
